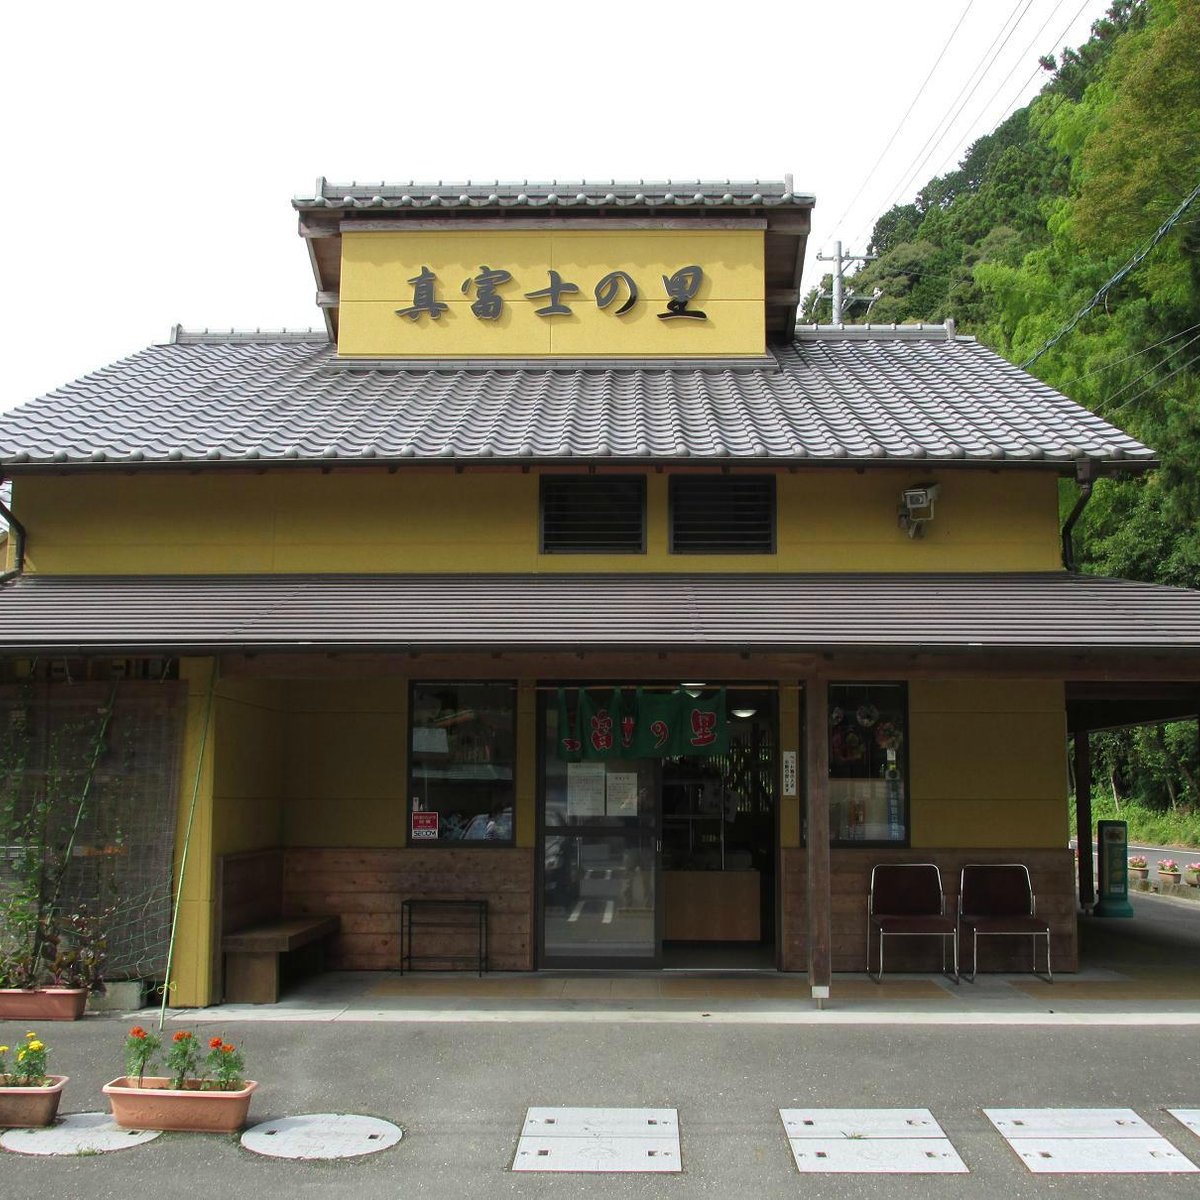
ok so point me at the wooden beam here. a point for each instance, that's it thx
(318, 229)
(1083, 819)
(328, 299)
(819, 877)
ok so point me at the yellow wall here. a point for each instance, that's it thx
(987, 763)
(377, 268)
(346, 763)
(487, 520)
(229, 801)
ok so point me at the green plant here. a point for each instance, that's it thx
(183, 1058)
(1193, 868)
(224, 1066)
(29, 1063)
(1168, 864)
(221, 1070)
(1138, 861)
(140, 1048)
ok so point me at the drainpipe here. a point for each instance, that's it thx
(1085, 476)
(19, 535)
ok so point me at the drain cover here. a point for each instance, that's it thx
(599, 1139)
(322, 1135)
(881, 1141)
(76, 1133)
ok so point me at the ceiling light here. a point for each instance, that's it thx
(744, 712)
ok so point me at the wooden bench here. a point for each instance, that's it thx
(255, 935)
(252, 955)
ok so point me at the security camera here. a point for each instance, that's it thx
(916, 508)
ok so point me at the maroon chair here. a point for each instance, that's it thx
(906, 900)
(997, 900)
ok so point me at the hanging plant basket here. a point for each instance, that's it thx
(30, 1107)
(153, 1104)
(42, 1004)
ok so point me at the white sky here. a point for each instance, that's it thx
(151, 150)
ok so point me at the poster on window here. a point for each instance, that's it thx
(621, 794)
(585, 789)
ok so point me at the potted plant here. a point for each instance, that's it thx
(1139, 868)
(201, 1095)
(1168, 871)
(28, 1096)
(1193, 874)
(50, 965)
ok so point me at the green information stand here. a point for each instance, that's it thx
(1112, 839)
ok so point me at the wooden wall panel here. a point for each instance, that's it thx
(365, 888)
(1052, 873)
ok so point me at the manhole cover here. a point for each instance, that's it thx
(321, 1135)
(76, 1133)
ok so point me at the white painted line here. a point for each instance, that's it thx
(609, 909)
(576, 911)
(593, 1154)
(77, 1133)
(589, 1122)
(322, 1136)
(827, 1123)
(1101, 1156)
(1189, 1116)
(877, 1156)
(1069, 1122)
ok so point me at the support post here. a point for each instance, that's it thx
(1083, 819)
(817, 873)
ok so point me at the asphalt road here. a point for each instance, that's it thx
(460, 1092)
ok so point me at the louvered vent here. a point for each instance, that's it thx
(593, 514)
(723, 514)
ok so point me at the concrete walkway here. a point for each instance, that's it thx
(1144, 970)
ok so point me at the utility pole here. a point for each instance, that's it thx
(841, 261)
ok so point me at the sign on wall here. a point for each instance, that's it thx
(539, 293)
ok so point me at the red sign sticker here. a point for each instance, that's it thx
(424, 826)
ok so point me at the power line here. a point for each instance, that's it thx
(1136, 354)
(1020, 58)
(900, 124)
(1157, 366)
(1157, 383)
(1161, 233)
(943, 127)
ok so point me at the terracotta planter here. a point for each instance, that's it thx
(27, 1107)
(1139, 872)
(1171, 877)
(42, 1004)
(154, 1105)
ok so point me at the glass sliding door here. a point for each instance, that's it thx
(600, 878)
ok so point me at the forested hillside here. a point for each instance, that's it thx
(1040, 215)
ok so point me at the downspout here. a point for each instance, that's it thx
(1085, 477)
(19, 537)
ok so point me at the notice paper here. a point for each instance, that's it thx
(585, 789)
(622, 794)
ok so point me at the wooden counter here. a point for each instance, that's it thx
(711, 906)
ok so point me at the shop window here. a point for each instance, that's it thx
(461, 763)
(722, 514)
(593, 514)
(868, 772)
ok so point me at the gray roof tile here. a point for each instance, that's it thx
(557, 194)
(855, 395)
(993, 611)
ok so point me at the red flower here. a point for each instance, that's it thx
(137, 1032)
(181, 1036)
(214, 1043)
(226, 1049)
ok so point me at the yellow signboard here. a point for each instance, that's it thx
(548, 293)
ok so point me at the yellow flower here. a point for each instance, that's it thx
(36, 1045)
(20, 1056)
(3, 1049)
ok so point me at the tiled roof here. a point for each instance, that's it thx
(862, 394)
(903, 612)
(584, 194)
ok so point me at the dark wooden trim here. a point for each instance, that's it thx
(1083, 818)
(818, 890)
